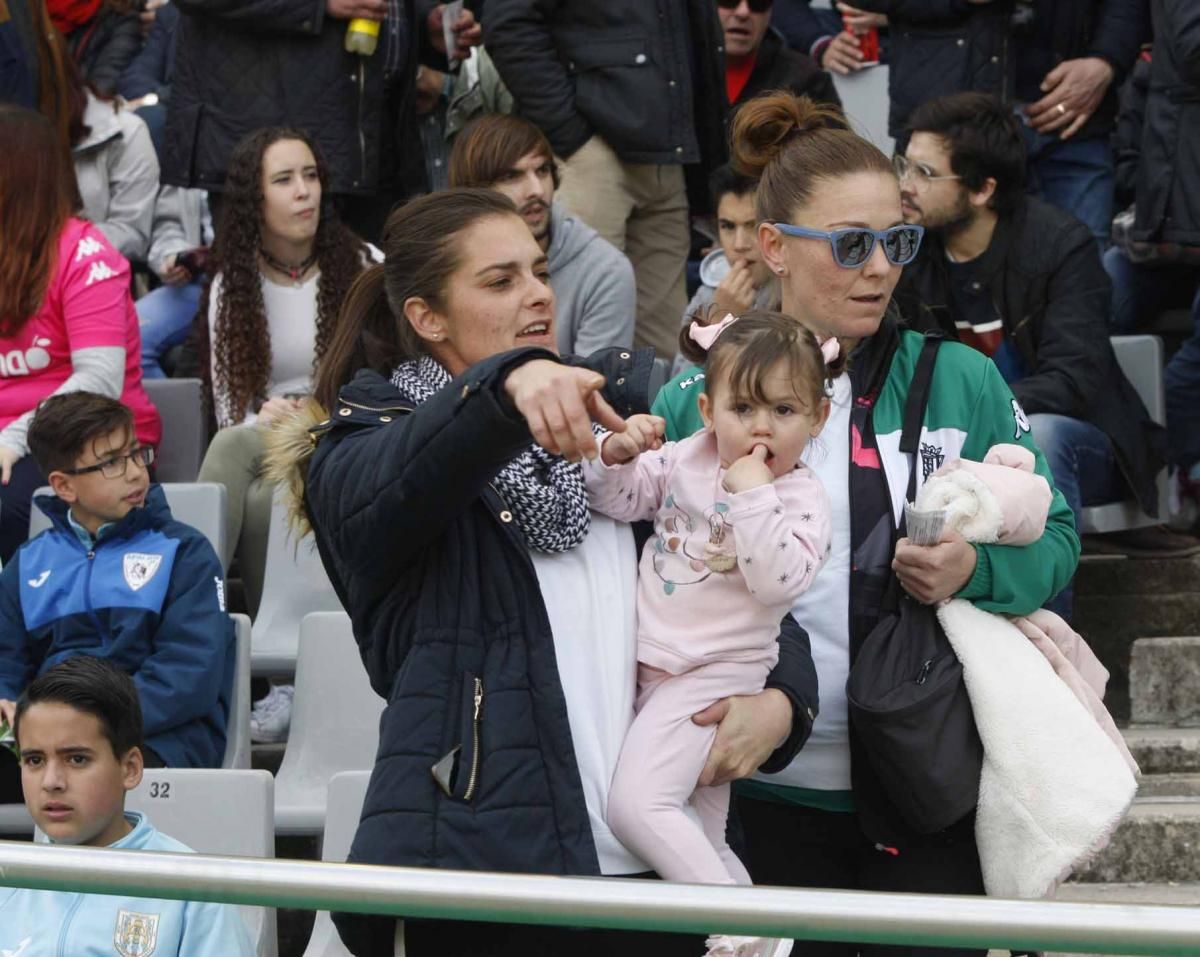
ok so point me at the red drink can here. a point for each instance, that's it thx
(868, 45)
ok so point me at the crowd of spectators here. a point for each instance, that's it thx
(223, 189)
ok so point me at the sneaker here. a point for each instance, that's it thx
(272, 715)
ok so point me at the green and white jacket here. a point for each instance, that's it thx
(970, 409)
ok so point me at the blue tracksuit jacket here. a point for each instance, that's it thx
(150, 597)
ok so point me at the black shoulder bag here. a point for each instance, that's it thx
(907, 701)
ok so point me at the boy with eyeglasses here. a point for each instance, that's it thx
(116, 577)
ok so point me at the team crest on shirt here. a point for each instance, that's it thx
(136, 934)
(140, 568)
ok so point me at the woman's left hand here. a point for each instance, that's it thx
(749, 729)
(932, 573)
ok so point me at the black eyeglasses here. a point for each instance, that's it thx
(116, 467)
(756, 6)
(852, 247)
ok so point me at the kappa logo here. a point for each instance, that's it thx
(139, 568)
(21, 948)
(88, 246)
(40, 580)
(136, 934)
(98, 273)
(1020, 419)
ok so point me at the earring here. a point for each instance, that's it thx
(779, 269)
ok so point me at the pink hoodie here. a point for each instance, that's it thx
(722, 570)
(87, 305)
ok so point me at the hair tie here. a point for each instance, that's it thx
(831, 349)
(704, 336)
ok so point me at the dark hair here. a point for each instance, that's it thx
(726, 180)
(421, 251)
(94, 686)
(38, 194)
(492, 145)
(752, 346)
(64, 425)
(241, 338)
(789, 144)
(983, 138)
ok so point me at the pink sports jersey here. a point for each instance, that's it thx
(87, 305)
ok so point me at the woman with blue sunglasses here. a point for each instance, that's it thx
(830, 229)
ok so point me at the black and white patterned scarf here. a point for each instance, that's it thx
(545, 492)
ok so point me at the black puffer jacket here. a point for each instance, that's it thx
(436, 576)
(940, 47)
(1051, 291)
(1168, 182)
(648, 76)
(778, 68)
(105, 46)
(245, 64)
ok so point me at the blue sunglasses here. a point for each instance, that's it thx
(853, 246)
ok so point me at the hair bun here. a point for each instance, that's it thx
(763, 126)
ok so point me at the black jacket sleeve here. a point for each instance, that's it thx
(1120, 28)
(919, 11)
(118, 51)
(517, 34)
(796, 676)
(148, 71)
(1073, 352)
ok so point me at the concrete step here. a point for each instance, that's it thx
(1164, 681)
(1122, 575)
(1158, 842)
(1165, 750)
(1170, 786)
(1173, 895)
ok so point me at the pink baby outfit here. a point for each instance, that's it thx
(87, 305)
(714, 583)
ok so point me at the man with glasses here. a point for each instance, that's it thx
(757, 58)
(117, 577)
(1022, 281)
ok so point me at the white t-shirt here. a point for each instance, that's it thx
(292, 323)
(824, 612)
(590, 593)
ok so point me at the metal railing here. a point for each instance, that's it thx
(921, 919)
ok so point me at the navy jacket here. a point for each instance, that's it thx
(152, 69)
(149, 597)
(444, 600)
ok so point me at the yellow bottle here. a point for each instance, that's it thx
(362, 36)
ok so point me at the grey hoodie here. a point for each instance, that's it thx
(593, 285)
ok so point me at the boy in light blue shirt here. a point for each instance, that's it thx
(79, 730)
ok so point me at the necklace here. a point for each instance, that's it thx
(294, 273)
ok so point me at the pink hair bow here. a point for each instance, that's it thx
(831, 349)
(704, 336)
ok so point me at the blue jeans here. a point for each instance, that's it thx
(1075, 175)
(1182, 380)
(1084, 469)
(1141, 291)
(165, 316)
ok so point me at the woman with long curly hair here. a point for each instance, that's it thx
(281, 263)
(67, 322)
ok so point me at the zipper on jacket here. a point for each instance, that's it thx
(472, 780)
(372, 408)
(87, 593)
(923, 674)
(362, 137)
(66, 925)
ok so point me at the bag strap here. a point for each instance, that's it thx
(910, 440)
(915, 405)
